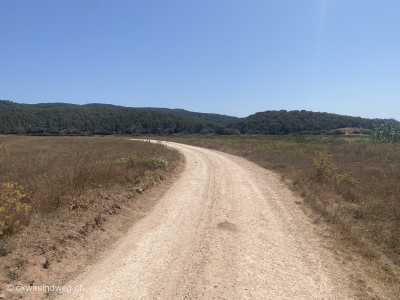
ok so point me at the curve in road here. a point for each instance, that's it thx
(227, 229)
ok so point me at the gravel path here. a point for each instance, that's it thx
(227, 229)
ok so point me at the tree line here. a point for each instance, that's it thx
(207, 117)
(61, 118)
(285, 122)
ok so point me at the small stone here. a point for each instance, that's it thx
(46, 265)
(116, 206)
(98, 219)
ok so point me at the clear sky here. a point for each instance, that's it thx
(223, 56)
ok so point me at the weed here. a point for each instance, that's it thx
(158, 162)
(347, 178)
(323, 164)
(13, 211)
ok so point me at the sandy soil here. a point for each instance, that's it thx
(227, 229)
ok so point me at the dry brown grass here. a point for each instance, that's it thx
(351, 185)
(64, 199)
(50, 173)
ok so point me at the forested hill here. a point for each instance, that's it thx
(64, 118)
(207, 117)
(61, 118)
(393, 121)
(284, 122)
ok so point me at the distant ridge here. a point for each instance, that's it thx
(393, 121)
(98, 118)
(285, 122)
(94, 118)
(207, 117)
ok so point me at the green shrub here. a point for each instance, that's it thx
(158, 162)
(323, 164)
(154, 162)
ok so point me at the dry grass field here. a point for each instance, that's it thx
(55, 191)
(349, 185)
(40, 175)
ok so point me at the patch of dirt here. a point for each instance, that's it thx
(52, 250)
(349, 130)
(227, 226)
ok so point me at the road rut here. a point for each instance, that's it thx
(227, 229)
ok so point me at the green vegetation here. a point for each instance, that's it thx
(323, 165)
(102, 119)
(153, 162)
(215, 118)
(393, 121)
(386, 133)
(106, 119)
(284, 122)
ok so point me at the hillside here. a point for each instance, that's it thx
(393, 121)
(284, 122)
(61, 118)
(96, 118)
(207, 117)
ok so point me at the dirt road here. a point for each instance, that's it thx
(227, 229)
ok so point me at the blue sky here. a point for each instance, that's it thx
(229, 57)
